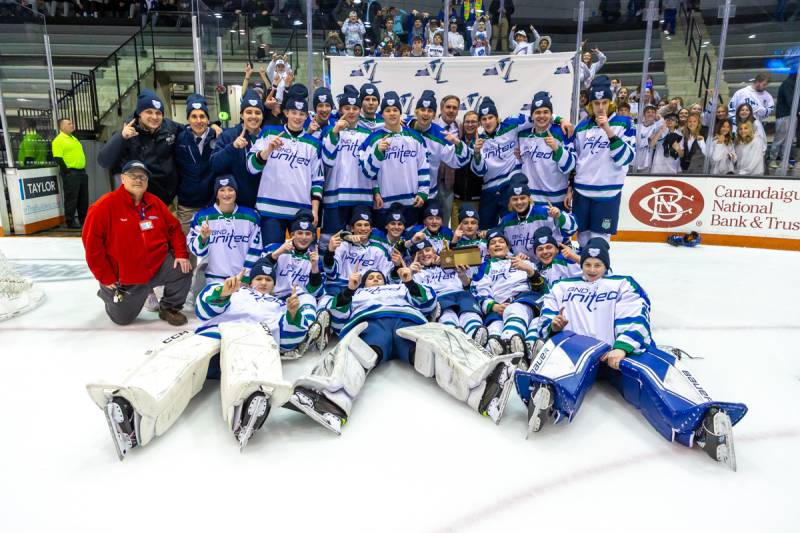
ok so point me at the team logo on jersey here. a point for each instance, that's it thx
(369, 70)
(156, 104)
(197, 105)
(224, 182)
(666, 203)
(503, 69)
(253, 103)
(433, 70)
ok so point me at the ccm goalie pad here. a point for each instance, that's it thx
(153, 395)
(327, 394)
(252, 378)
(462, 367)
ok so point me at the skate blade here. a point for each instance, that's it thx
(505, 394)
(121, 444)
(291, 355)
(315, 416)
(540, 402)
(256, 409)
(725, 452)
(324, 321)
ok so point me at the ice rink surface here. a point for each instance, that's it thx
(411, 458)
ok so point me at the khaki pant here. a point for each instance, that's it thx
(500, 35)
(185, 215)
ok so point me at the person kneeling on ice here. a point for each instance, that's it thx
(245, 325)
(297, 270)
(508, 289)
(456, 306)
(381, 321)
(603, 318)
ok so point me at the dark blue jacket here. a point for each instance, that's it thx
(196, 178)
(228, 160)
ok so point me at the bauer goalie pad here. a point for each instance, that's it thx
(669, 397)
(459, 364)
(160, 387)
(342, 372)
(567, 362)
(249, 362)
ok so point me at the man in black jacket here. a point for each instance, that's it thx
(500, 12)
(150, 138)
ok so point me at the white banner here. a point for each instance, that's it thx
(511, 81)
(35, 199)
(724, 205)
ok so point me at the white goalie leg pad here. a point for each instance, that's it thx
(342, 372)
(460, 365)
(250, 362)
(160, 387)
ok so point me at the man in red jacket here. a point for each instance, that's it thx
(133, 243)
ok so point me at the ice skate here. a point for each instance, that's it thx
(495, 345)
(516, 344)
(319, 408)
(324, 320)
(538, 407)
(715, 436)
(121, 420)
(315, 331)
(498, 388)
(249, 417)
(481, 335)
(436, 313)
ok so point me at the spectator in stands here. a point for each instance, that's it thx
(750, 149)
(583, 100)
(435, 48)
(672, 108)
(541, 43)
(756, 95)
(193, 161)
(709, 118)
(230, 151)
(416, 47)
(53, 5)
(358, 51)
(259, 15)
(387, 33)
(480, 36)
(721, 150)
(150, 138)
(260, 85)
(500, 12)
(455, 40)
(590, 69)
(683, 116)
(518, 42)
(466, 184)
(647, 134)
(744, 113)
(610, 10)
(694, 145)
(342, 10)
(615, 86)
(68, 153)
(353, 30)
(334, 46)
(148, 10)
(398, 16)
(670, 8)
(667, 148)
(432, 28)
(133, 244)
(448, 120)
(417, 28)
(623, 98)
(782, 119)
(624, 110)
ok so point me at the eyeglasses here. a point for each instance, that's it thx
(137, 177)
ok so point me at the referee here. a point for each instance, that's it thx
(67, 150)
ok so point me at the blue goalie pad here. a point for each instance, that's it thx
(569, 363)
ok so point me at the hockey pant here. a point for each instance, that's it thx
(515, 321)
(459, 365)
(159, 388)
(669, 397)
(460, 309)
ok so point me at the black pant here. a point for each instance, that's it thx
(76, 195)
(176, 288)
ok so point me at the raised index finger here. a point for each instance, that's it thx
(132, 122)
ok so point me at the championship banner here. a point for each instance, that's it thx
(511, 81)
(35, 197)
(730, 210)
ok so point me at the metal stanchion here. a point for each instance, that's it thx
(197, 50)
(649, 15)
(726, 15)
(310, 46)
(790, 135)
(576, 65)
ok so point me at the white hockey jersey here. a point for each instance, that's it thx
(547, 170)
(519, 231)
(372, 124)
(497, 160)
(385, 301)
(291, 177)
(245, 305)
(439, 240)
(498, 282)
(442, 152)
(601, 164)
(401, 173)
(441, 280)
(293, 269)
(345, 183)
(373, 256)
(613, 309)
(762, 102)
(560, 268)
(234, 244)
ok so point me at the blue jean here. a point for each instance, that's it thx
(669, 20)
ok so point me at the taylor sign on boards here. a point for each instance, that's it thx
(35, 198)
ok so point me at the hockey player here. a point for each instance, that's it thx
(431, 229)
(226, 234)
(396, 159)
(443, 148)
(370, 102)
(602, 318)
(297, 271)
(345, 185)
(392, 238)
(554, 261)
(456, 305)
(250, 322)
(383, 321)
(524, 218)
(467, 232)
(507, 288)
(347, 251)
(547, 155)
(290, 166)
(604, 147)
(323, 116)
